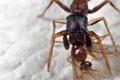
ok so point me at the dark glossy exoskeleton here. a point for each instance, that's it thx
(77, 29)
(85, 65)
(76, 32)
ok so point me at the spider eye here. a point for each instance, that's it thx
(71, 32)
(80, 32)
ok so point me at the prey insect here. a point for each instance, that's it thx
(79, 69)
(77, 33)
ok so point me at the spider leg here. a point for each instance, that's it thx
(101, 5)
(92, 34)
(92, 22)
(55, 35)
(64, 7)
(63, 21)
(114, 6)
(59, 34)
(47, 7)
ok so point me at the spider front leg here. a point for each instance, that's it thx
(113, 5)
(47, 7)
(64, 7)
(101, 5)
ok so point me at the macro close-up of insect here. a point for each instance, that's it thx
(79, 39)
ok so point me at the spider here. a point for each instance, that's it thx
(77, 33)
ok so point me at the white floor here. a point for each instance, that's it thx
(25, 39)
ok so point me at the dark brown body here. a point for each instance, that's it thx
(76, 29)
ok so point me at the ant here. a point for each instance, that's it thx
(77, 31)
(84, 67)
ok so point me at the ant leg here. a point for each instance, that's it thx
(98, 73)
(75, 75)
(69, 59)
(93, 56)
(92, 34)
(109, 33)
(59, 34)
(76, 68)
(101, 5)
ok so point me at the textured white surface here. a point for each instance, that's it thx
(25, 39)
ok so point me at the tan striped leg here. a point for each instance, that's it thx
(55, 35)
(63, 21)
(109, 33)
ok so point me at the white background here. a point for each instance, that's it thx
(25, 40)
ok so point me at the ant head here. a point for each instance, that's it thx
(85, 65)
